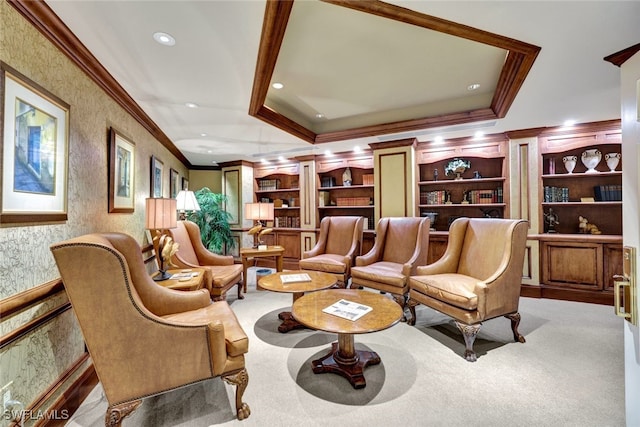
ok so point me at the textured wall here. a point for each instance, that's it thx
(36, 361)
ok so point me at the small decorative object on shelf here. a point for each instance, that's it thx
(570, 163)
(435, 174)
(591, 158)
(457, 167)
(346, 177)
(465, 197)
(552, 166)
(476, 175)
(585, 227)
(433, 216)
(448, 198)
(612, 160)
(551, 220)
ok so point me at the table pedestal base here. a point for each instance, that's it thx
(288, 322)
(345, 360)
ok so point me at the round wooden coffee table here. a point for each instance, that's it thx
(343, 358)
(273, 282)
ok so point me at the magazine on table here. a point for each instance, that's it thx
(347, 309)
(184, 275)
(291, 278)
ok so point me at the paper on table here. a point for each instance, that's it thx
(347, 309)
(290, 278)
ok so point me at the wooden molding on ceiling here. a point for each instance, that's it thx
(621, 57)
(515, 69)
(42, 17)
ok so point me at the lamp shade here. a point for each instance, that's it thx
(186, 201)
(259, 211)
(161, 214)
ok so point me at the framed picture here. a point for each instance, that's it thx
(157, 170)
(122, 160)
(185, 183)
(173, 183)
(35, 127)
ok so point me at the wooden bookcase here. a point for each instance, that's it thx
(450, 198)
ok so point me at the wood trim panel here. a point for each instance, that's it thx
(621, 57)
(40, 15)
(233, 176)
(395, 190)
(276, 17)
(34, 324)
(22, 300)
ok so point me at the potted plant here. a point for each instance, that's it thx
(213, 221)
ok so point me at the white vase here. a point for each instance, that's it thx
(570, 163)
(612, 160)
(591, 158)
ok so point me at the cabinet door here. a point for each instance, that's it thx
(612, 264)
(575, 265)
(290, 240)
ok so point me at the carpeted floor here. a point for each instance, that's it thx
(568, 373)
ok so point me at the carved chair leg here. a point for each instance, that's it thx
(515, 321)
(116, 413)
(469, 332)
(412, 309)
(401, 301)
(240, 379)
(240, 296)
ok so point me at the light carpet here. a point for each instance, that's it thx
(568, 373)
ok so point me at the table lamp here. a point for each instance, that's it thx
(259, 212)
(186, 202)
(161, 214)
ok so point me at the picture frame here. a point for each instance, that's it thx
(122, 161)
(173, 183)
(34, 155)
(157, 171)
(185, 184)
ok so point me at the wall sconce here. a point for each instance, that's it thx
(186, 202)
(161, 214)
(259, 212)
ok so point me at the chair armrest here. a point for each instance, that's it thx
(369, 258)
(437, 267)
(315, 251)
(218, 347)
(209, 258)
(174, 301)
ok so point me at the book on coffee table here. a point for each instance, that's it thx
(291, 278)
(347, 309)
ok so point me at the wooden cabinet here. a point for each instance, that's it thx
(480, 191)
(337, 197)
(290, 241)
(279, 185)
(596, 196)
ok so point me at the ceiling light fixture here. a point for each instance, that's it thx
(569, 123)
(473, 86)
(438, 139)
(478, 135)
(164, 39)
(328, 153)
(319, 116)
(282, 159)
(264, 161)
(357, 149)
(203, 134)
(277, 85)
(191, 105)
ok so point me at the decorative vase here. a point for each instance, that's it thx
(612, 160)
(591, 158)
(570, 163)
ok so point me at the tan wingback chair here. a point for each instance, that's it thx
(222, 275)
(339, 242)
(401, 245)
(477, 278)
(144, 339)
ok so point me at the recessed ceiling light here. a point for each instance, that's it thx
(191, 105)
(569, 123)
(319, 116)
(473, 86)
(209, 151)
(328, 153)
(264, 161)
(479, 134)
(357, 149)
(281, 158)
(164, 39)
(203, 134)
(438, 139)
(277, 85)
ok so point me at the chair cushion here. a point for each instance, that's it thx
(328, 263)
(453, 289)
(386, 272)
(236, 340)
(225, 274)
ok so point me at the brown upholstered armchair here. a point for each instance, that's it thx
(144, 339)
(401, 245)
(339, 242)
(477, 278)
(222, 273)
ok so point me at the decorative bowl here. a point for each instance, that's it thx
(457, 167)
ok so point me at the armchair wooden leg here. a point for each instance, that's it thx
(412, 309)
(116, 413)
(240, 379)
(240, 296)
(469, 332)
(515, 321)
(401, 301)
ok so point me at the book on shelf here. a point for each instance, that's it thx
(608, 193)
(293, 278)
(347, 309)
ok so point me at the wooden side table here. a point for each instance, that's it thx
(192, 284)
(271, 251)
